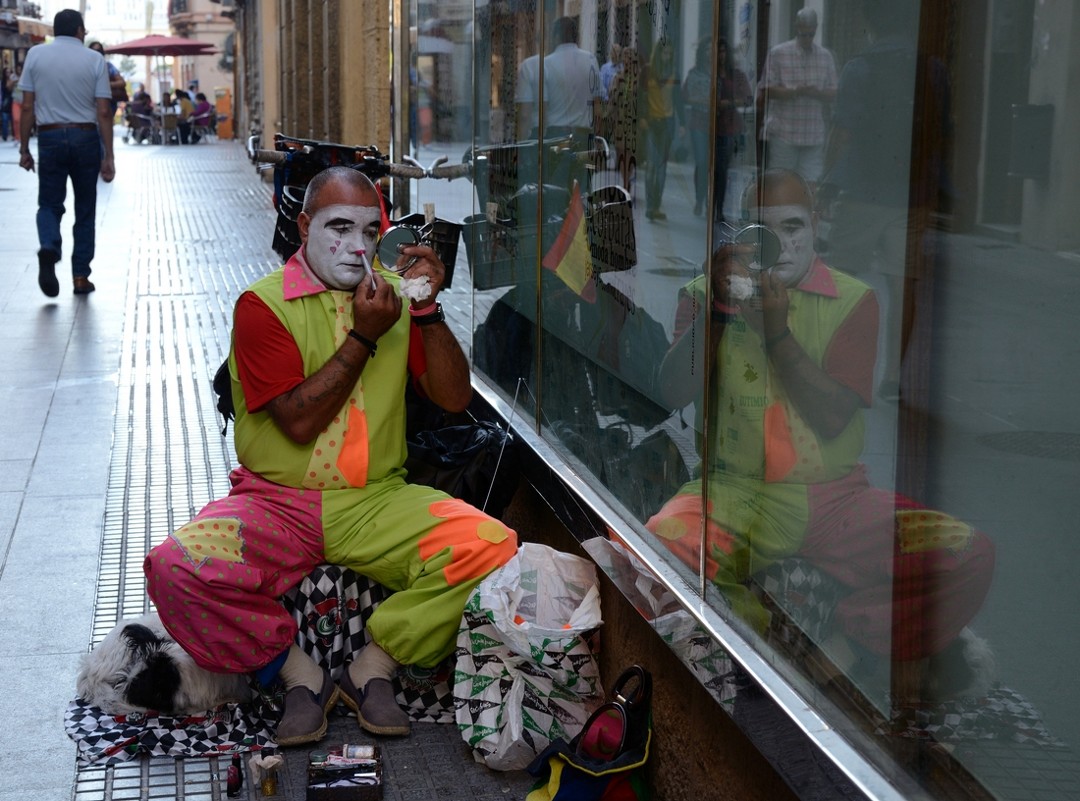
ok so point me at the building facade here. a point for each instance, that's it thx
(21, 27)
(204, 21)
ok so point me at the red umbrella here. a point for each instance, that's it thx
(156, 45)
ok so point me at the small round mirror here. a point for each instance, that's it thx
(766, 246)
(391, 242)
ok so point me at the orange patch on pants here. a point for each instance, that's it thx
(478, 544)
(678, 525)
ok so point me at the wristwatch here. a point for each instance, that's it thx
(430, 318)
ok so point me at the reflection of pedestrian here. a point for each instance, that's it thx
(733, 92)
(799, 83)
(66, 93)
(663, 104)
(623, 107)
(790, 362)
(571, 105)
(527, 96)
(609, 69)
(414, 102)
(869, 162)
(571, 85)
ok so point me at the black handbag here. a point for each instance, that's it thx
(612, 240)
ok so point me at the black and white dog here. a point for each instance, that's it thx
(138, 667)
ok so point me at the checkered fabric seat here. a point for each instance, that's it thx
(331, 607)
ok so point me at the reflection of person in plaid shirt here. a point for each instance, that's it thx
(800, 79)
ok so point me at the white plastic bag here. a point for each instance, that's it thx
(525, 673)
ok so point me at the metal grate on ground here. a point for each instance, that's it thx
(202, 243)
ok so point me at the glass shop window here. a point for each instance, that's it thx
(794, 285)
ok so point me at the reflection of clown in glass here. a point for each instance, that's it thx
(790, 370)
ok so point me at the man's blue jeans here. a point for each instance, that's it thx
(68, 153)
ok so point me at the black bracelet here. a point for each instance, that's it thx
(363, 340)
(778, 338)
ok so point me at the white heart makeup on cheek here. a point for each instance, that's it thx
(337, 244)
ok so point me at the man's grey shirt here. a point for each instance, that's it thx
(66, 79)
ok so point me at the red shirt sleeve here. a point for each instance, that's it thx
(852, 351)
(268, 361)
(417, 357)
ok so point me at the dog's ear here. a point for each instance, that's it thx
(155, 686)
(140, 638)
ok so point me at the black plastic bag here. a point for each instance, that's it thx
(474, 462)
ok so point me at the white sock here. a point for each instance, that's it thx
(373, 663)
(300, 670)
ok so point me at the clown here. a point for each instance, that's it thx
(320, 436)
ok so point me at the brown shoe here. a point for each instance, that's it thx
(304, 718)
(376, 708)
(83, 285)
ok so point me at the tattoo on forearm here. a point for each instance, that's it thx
(329, 384)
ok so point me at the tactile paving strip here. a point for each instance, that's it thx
(202, 243)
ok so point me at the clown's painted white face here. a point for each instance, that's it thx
(341, 242)
(794, 225)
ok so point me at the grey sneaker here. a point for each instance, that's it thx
(304, 717)
(376, 709)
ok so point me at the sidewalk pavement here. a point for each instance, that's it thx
(109, 440)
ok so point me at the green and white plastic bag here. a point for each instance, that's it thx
(525, 673)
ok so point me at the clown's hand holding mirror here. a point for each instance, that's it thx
(402, 249)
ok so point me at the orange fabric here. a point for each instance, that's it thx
(469, 541)
(780, 456)
(678, 524)
(353, 459)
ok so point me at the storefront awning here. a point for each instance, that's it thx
(34, 28)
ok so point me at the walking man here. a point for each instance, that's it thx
(66, 92)
(799, 84)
